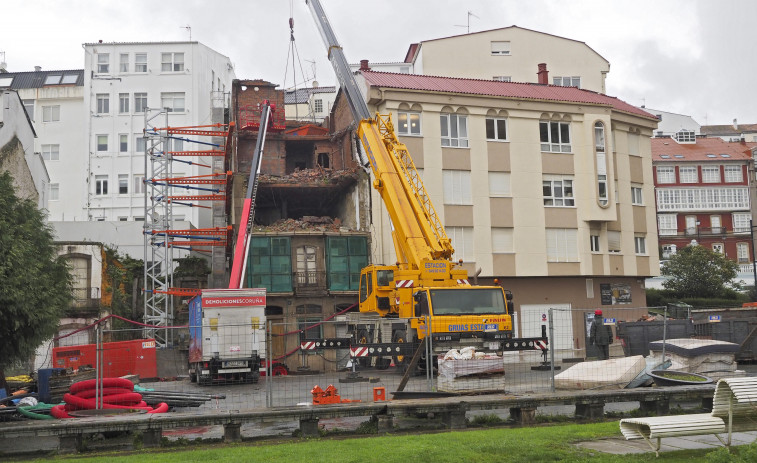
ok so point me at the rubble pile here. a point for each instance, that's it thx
(306, 223)
(315, 176)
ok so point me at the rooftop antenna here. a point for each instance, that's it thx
(189, 29)
(470, 13)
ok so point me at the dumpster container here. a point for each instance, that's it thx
(636, 336)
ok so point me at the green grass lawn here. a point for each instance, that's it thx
(528, 445)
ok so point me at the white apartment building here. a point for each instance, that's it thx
(54, 102)
(121, 82)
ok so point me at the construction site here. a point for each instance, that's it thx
(335, 282)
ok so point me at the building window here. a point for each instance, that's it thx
(502, 78)
(555, 137)
(685, 136)
(558, 191)
(733, 174)
(51, 152)
(667, 224)
(741, 222)
(637, 198)
(345, 257)
(742, 251)
(140, 62)
(139, 184)
(594, 243)
(102, 143)
(140, 146)
(710, 174)
(668, 250)
(574, 81)
(311, 328)
(318, 105)
(691, 199)
(103, 63)
(688, 174)
(69, 79)
(457, 187)
(562, 244)
(101, 185)
(500, 48)
(54, 192)
(454, 130)
(499, 184)
(502, 240)
(51, 113)
(666, 174)
(601, 159)
(270, 264)
(408, 123)
(123, 62)
(123, 184)
(172, 101)
(640, 244)
(171, 62)
(123, 103)
(715, 224)
(496, 129)
(140, 102)
(462, 241)
(103, 103)
(123, 143)
(613, 242)
(717, 247)
(29, 107)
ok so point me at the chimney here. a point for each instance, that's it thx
(364, 65)
(543, 74)
(37, 68)
(735, 125)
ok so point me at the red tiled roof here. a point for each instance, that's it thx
(698, 151)
(504, 89)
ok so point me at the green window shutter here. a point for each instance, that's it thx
(270, 264)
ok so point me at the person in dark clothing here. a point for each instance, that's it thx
(600, 335)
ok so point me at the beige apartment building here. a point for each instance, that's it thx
(509, 54)
(547, 188)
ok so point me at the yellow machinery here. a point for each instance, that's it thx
(425, 285)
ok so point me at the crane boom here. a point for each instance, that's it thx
(242, 244)
(420, 234)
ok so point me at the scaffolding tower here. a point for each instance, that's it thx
(162, 190)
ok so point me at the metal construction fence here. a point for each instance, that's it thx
(309, 361)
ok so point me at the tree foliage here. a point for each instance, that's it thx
(696, 271)
(35, 285)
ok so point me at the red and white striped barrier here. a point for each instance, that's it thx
(404, 283)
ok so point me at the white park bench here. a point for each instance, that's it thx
(734, 409)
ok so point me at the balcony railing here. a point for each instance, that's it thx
(310, 283)
(86, 298)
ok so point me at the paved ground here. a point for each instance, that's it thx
(621, 446)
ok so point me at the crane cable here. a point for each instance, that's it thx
(294, 53)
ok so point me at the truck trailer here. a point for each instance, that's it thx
(226, 335)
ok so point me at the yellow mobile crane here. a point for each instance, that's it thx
(425, 286)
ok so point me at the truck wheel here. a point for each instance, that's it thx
(202, 381)
(399, 336)
(279, 369)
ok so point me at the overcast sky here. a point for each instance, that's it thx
(694, 57)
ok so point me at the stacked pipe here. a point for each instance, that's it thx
(111, 393)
